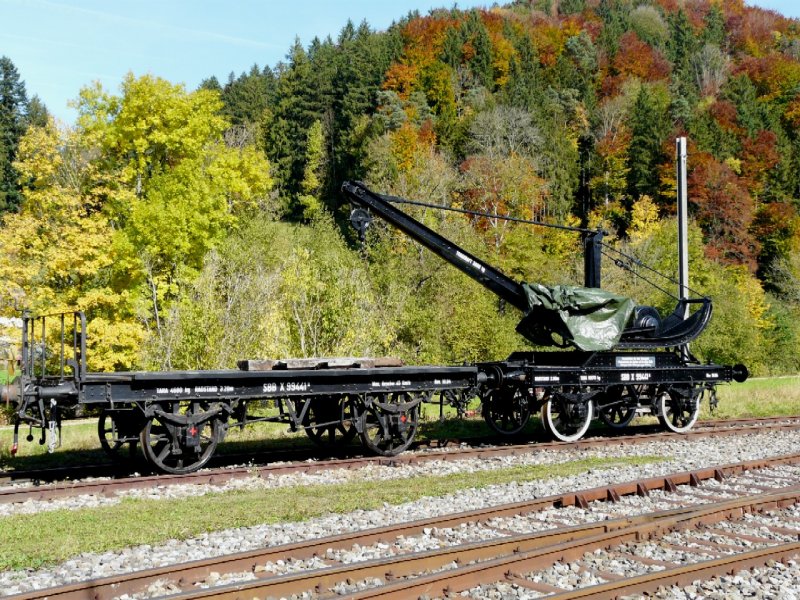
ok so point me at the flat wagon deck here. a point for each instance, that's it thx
(179, 417)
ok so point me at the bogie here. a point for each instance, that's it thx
(506, 410)
(330, 422)
(119, 431)
(617, 406)
(566, 416)
(181, 437)
(678, 408)
(388, 422)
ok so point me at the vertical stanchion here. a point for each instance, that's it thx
(683, 229)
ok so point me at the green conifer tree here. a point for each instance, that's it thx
(13, 108)
(649, 125)
(714, 32)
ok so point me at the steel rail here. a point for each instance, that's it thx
(519, 552)
(220, 476)
(189, 574)
(684, 575)
(524, 559)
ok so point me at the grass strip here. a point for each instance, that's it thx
(768, 397)
(32, 541)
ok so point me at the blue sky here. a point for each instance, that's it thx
(59, 46)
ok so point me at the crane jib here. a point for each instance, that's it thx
(587, 318)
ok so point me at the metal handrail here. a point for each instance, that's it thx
(71, 352)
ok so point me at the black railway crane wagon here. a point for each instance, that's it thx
(179, 417)
(647, 368)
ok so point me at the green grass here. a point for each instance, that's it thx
(767, 397)
(31, 541)
(81, 446)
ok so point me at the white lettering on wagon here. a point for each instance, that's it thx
(394, 383)
(213, 389)
(635, 361)
(286, 386)
(635, 376)
(174, 390)
(470, 261)
(295, 386)
(547, 378)
(200, 389)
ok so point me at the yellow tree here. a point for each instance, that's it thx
(175, 187)
(119, 211)
(59, 252)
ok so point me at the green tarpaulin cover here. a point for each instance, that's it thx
(587, 318)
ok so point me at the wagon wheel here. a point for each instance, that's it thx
(388, 422)
(175, 448)
(329, 423)
(566, 417)
(620, 408)
(506, 411)
(678, 409)
(112, 438)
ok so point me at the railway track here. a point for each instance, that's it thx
(628, 538)
(297, 464)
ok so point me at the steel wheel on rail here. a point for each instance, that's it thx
(388, 422)
(506, 410)
(566, 416)
(330, 422)
(617, 408)
(180, 440)
(114, 434)
(678, 408)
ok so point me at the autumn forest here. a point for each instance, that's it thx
(198, 227)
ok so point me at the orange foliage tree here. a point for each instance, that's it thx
(724, 209)
(638, 59)
(759, 155)
(773, 75)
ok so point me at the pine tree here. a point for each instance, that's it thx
(452, 47)
(211, 83)
(363, 58)
(476, 37)
(714, 32)
(248, 96)
(614, 14)
(682, 41)
(571, 7)
(649, 125)
(524, 87)
(13, 107)
(37, 114)
(288, 125)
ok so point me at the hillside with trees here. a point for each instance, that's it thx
(200, 227)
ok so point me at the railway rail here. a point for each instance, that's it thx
(125, 469)
(109, 487)
(700, 516)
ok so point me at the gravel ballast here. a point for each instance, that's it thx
(680, 455)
